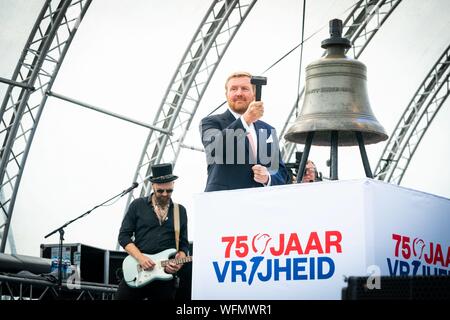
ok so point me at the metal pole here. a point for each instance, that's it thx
(334, 155)
(302, 165)
(185, 146)
(109, 113)
(60, 258)
(17, 84)
(364, 158)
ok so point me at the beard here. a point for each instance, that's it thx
(161, 200)
(239, 105)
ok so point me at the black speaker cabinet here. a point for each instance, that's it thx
(400, 287)
(113, 266)
(90, 260)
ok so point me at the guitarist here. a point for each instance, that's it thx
(148, 227)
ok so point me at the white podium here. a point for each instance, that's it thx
(300, 241)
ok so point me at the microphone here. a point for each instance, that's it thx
(134, 185)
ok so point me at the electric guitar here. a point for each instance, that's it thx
(137, 277)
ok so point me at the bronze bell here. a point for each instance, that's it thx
(336, 98)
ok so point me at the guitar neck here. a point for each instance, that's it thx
(177, 261)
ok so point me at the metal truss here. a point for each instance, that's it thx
(413, 124)
(180, 102)
(22, 106)
(18, 288)
(360, 27)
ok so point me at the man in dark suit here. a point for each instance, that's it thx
(241, 150)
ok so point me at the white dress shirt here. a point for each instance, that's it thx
(250, 129)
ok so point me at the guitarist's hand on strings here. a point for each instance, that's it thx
(146, 263)
(172, 267)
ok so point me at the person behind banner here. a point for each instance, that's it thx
(311, 174)
(241, 150)
(147, 229)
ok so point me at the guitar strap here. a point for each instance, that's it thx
(176, 223)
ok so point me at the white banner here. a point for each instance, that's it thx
(410, 231)
(300, 241)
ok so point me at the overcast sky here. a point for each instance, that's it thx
(122, 59)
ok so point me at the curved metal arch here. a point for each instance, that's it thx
(192, 76)
(413, 124)
(22, 106)
(360, 27)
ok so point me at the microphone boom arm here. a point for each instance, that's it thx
(61, 228)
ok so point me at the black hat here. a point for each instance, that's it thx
(162, 173)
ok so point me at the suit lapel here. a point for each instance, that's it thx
(263, 133)
(258, 126)
(228, 117)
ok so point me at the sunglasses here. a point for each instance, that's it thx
(161, 191)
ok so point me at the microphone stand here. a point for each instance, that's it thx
(61, 229)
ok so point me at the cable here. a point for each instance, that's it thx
(301, 57)
(216, 108)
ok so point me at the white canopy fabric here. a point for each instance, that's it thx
(122, 59)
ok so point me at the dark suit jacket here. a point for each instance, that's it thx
(229, 157)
